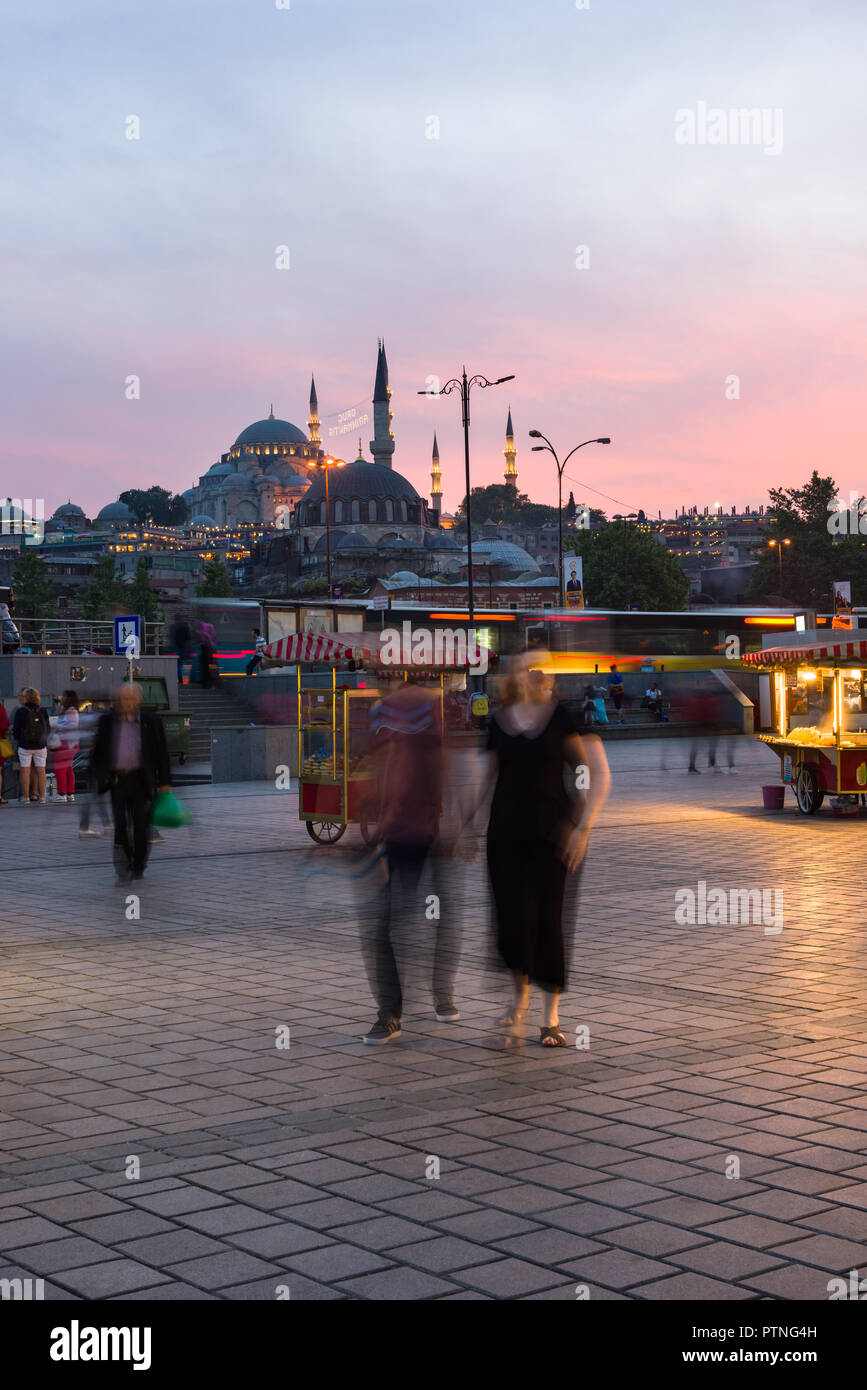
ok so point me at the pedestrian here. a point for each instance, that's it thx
(66, 731)
(6, 750)
(181, 640)
(615, 690)
(206, 656)
(93, 800)
(653, 701)
(259, 653)
(407, 746)
(588, 712)
(131, 760)
(30, 729)
(537, 835)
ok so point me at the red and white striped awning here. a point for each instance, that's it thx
(828, 651)
(318, 646)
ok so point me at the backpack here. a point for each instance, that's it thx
(34, 728)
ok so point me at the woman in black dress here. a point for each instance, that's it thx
(550, 785)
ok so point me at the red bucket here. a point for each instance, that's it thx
(774, 797)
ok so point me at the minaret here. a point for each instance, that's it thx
(382, 444)
(436, 485)
(313, 421)
(509, 454)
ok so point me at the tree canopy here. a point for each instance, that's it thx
(31, 581)
(826, 544)
(216, 581)
(625, 567)
(105, 592)
(157, 505)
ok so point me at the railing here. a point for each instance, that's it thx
(76, 637)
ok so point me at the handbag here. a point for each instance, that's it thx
(169, 812)
(6, 749)
(54, 742)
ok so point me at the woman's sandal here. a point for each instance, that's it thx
(552, 1037)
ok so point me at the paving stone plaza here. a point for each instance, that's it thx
(158, 1139)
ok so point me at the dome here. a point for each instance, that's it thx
(505, 554)
(69, 511)
(404, 577)
(219, 470)
(350, 540)
(201, 520)
(115, 511)
(247, 462)
(189, 494)
(362, 480)
(439, 540)
(271, 431)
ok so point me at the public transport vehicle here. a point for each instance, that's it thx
(580, 642)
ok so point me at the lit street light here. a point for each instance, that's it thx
(548, 447)
(461, 384)
(779, 545)
(326, 464)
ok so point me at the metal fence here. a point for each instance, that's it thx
(56, 637)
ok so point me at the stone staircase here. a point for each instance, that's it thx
(214, 708)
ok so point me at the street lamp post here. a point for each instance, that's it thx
(548, 447)
(464, 386)
(779, 545)
(325, 464)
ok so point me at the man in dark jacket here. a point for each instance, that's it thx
(130, 759)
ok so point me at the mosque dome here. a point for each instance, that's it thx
(270, 431)
(69, 512)
(350, 540)
(247, 462)
(361, 480)
(505, 554)
(115, 511)
(202, 520)
(219, 470)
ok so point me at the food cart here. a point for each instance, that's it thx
(819, 718)
(336, 773)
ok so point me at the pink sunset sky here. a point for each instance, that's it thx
(309, 127)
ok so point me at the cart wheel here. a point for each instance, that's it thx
(182, 758)
(324, 832)
(367, 825)
(808, 792)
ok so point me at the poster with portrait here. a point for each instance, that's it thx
(574, 581)
(842, 604)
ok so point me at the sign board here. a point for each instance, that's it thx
(842, 604)
(127, 635)
(381, 601)
(574, 581)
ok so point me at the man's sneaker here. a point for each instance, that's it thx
(446, 1010)
(89, 834)
(383, 1030)
(59, 798)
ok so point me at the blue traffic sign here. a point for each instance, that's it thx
(127, 635)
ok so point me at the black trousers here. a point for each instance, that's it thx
(132, 806)
(252, 665)
(411, 930)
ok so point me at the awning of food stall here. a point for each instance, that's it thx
(827, 651)
(318, 646)
(377, 648)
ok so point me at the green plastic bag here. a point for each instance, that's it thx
(169, 812)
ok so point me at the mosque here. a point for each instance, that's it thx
(273, 474)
